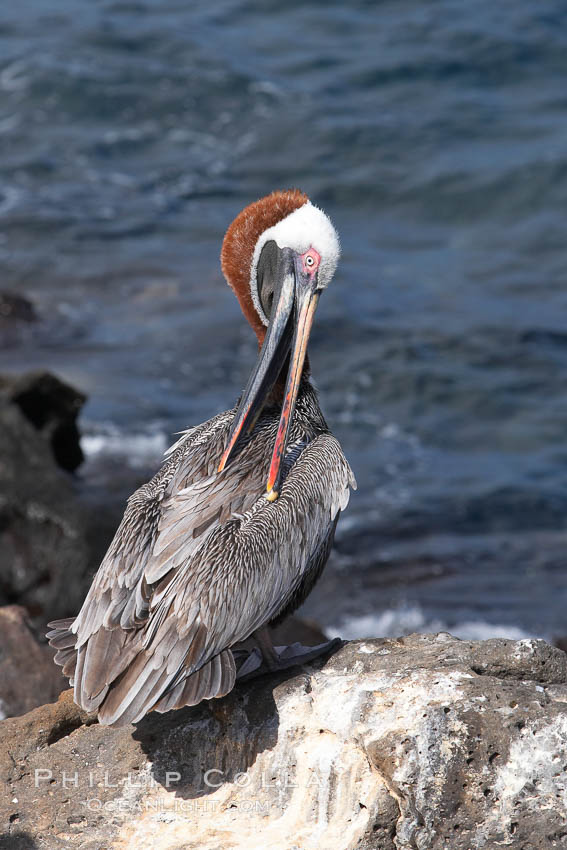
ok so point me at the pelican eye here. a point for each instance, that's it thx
(309, 261)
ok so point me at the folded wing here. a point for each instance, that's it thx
(200, 561)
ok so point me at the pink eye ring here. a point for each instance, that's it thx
(311, 260)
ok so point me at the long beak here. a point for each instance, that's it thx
(305, 305)
(295, 300)
(272, 356)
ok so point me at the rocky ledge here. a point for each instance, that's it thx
(421, 742)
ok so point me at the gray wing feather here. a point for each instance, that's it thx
(245, 571)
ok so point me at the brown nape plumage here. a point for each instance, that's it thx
(240, 240)
(205, 557)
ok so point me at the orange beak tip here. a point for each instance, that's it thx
(272, 495)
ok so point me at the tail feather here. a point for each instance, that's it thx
(69, 667)
(61, 625)
(62, 656)
(113, 674)
(63, 640)
(128, 694)
(214, 679)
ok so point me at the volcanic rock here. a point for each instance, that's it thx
(43, 550)
(423, 742)
(52, 407)
(28, 676)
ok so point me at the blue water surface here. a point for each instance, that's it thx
(435, 135)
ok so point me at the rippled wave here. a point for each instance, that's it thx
(434, 134)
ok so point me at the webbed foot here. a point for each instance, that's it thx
(271, 659)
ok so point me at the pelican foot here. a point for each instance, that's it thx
(258, 663)
(248, 663)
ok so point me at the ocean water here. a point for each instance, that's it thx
(435, 135)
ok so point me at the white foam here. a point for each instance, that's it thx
(406, 619)
(138, 448)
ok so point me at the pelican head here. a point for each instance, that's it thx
(277, 255)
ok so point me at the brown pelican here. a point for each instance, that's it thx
(234, 530)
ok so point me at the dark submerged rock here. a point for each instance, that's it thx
(52, 407)
(16, 308)
(43, 550)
